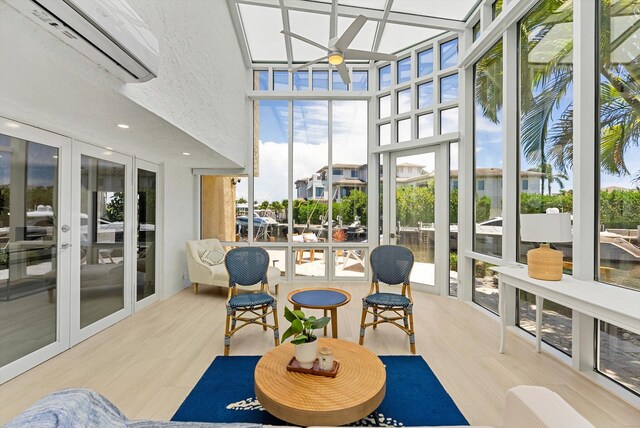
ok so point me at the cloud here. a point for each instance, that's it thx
(310, 146)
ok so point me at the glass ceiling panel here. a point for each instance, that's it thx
(364, 39)
(369, 4)
(314, 26)
(450, 9)
(552, 44)
(262, 26)
(397, 37)
(629, 49)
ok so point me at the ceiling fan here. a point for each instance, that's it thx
(338, 49)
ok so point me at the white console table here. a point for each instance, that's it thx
(615, 305)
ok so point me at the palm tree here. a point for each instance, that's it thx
(546, 115)
(547, 174)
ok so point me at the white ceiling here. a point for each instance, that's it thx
(392, 25)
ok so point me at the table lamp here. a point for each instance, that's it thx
(544, 262)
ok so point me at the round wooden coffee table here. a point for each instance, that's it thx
(327, 299)
(304, 400)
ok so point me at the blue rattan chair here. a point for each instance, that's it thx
(391, 264)
(248, 266)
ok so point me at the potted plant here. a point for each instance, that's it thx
(301, 329)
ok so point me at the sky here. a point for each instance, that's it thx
(310, 142)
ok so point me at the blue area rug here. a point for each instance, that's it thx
(414, 396)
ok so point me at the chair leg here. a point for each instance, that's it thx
(406, 319)
(227, 333)
(194, 286)
(362, 320)
(233, 320)
(412, 336)
(264, 318)
(375, 318)
(276, 333)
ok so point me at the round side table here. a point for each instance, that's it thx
(327, 299)
(305, 400)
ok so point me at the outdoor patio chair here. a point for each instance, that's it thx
(248, 266)
(392, 265)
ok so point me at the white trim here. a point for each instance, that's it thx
(159, 232)
(239, 30)
(511, 13)
(510, 145)
(442, 234)
(585, 83)
(78, 333)
(466, 151)
(371, 14)
(441, 212)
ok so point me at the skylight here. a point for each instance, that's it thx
(392, 25)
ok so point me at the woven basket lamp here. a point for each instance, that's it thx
(544, 262)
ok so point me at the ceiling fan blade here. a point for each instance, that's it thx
(377, 56)
(350, 33)
(304, 39)
(309, 63)
(344, 73)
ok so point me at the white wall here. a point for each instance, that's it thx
(197, 104)
(201, 86)
(180, 224)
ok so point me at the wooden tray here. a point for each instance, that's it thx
(294, 366)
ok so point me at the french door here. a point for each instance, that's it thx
(35, 177)
(417, 212)
(102, 240)
(147, 226)
(76, 255)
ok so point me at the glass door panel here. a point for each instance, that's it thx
(102, 253)
(35, 170)
(146, 239)
(28, 247)
(413, 210)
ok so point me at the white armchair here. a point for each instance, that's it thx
(201, 273)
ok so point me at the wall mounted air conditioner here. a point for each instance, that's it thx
(109, 32)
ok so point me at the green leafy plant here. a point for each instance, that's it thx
(302, 327)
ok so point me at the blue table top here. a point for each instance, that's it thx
(318, 298)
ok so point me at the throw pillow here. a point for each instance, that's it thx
(212, 257)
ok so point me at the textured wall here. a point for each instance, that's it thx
(196, 101)
(201, 87)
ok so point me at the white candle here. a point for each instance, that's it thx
(326, 359)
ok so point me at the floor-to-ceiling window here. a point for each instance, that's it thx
(487, 176)
(618, 219)
(310, 178)
(546, 164)
(349, 193)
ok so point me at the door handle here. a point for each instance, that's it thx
(392, 235)
(64, 245)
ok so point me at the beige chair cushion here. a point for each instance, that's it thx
(201, 273)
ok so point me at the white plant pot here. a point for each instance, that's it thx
(306, 354)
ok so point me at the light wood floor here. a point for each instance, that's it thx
(148, 363)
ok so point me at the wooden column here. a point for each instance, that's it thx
(218, 208)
